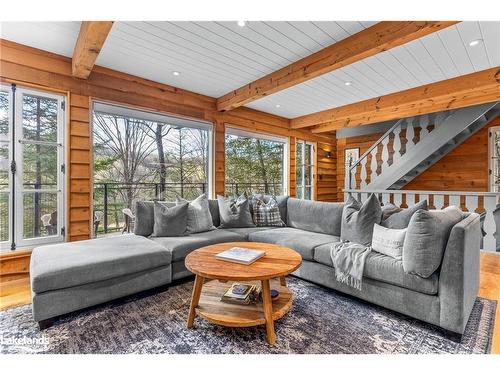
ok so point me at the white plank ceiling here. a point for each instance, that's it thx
(214, 58)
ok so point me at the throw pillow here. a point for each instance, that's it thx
(388, 241)
(358, 220)
(199, 218)
(144, 218)
(426, 239)
(235, 212)
(400, 219)
(267, 214)
(388, 209)
(170, 221)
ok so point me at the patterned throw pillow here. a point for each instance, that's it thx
(266, 214)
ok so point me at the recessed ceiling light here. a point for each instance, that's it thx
(475, 42)
(241, 23)
(176, 73)
(278, 105)
(348, 83)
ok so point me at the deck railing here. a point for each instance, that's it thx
(484, 203)
(236, 188)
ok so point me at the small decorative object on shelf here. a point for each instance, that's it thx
(274, 294)
(242, 294)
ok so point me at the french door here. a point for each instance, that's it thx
(31, 167)
(305, 169)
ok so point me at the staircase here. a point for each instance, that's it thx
(413, 144)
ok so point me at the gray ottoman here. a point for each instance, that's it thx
(70, 276)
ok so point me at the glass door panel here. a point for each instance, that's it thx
(4, 169)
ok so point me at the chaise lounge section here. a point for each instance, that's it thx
(70, 276)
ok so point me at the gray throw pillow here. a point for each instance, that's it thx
(144, 218)
(235, 212)
(426, 239)
(170, 221)
(388, 209)
(358, 220)
(401, 218)
(199, 218)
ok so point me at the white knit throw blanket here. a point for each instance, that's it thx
(349, 262)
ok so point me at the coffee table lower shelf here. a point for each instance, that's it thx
(212, 309)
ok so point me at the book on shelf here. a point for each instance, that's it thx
(241, 294)
(240, 255)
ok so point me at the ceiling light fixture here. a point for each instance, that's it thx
(278, 105)
(475, 42)
(348, 83)
(176, 73)
(241, 23)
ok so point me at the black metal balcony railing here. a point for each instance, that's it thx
(236, 188)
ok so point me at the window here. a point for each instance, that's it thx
(255, 163)
(31, 167)
(304, 169)
(145, 155)
(494, 158)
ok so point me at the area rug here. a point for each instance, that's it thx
(320, 321)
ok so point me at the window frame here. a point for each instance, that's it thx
(16, 204)
(303, 167)
(238, 132)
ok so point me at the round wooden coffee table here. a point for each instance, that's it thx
(278, 262)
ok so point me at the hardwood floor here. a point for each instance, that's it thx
(17, 292)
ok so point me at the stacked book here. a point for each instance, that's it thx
(242, 294)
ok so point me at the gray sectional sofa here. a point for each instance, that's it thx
(71, 276)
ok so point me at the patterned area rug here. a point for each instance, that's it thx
(321, 321)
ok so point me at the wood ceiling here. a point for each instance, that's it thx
(324, 75)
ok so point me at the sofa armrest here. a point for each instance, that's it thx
(459, 277)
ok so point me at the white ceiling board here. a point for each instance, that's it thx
(435, 57)
(55, 37)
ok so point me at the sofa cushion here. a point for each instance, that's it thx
(320, 217)
(245, 232)
(358, 220)
(180, 247)
(426, 238)
(70, 264)
(199, 218)
(170, 221)
(235, 212)
(299, 240)
(386, 269)
(401, 218)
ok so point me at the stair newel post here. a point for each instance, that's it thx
(385, 153)
(373, 164)
(438, 201)
(396, 145)
(363, 174)
(410, 134)
(490, 204)
(424, 122)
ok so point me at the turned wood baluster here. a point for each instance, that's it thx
(410, 199)
(363, 174)
(471, 202)
(396, 145)
(353, 178)
(373, 164)
(454, 200)
(489, 241)
(398, 199)
(386, 198)
(424, 122)
(410, 134)
(385, 153)
(423, 197)
(438, 201)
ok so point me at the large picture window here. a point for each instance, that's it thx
(255, 163)
(305, 169)
(145, 155)
(31, 167)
